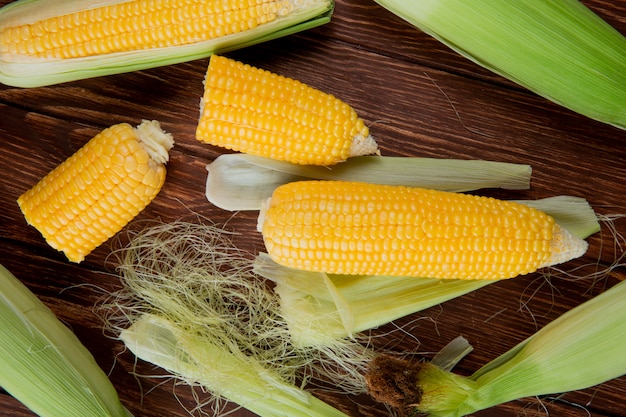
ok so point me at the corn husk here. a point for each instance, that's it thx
(558, 49)
(582, 348)
(44, 365)
(243, 182)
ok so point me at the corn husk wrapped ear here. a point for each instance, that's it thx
(25, 69)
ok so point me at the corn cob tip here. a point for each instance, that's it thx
(154, 140)
(564, 247)
(362, 145)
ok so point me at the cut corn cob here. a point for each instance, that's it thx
(365, 229)
(98, 190)
(48, 41)
(257, 112)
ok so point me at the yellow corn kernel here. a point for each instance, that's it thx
(257, 112)
(137, 25)
(366, 229)
(98, 190)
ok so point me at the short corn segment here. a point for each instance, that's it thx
(257, 112)
(98, 190)
(135, 25)
(365, 229)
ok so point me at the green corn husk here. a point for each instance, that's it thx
(23, 71)
(44, 365)
(558, 49)
(320, 308)
(191, 305)
(193, 358)
(582, 348)
(243, 182)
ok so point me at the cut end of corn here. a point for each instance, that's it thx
(155, 141)
(254, 111)
(366, 229)
(98, 190)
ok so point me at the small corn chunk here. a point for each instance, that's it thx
(257, 112)
(365, 229)
(98, 190)
(136, 25)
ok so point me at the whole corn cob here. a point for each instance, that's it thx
(135, 25)
(48, 41)
(366, 229)
(98, 190)
(257, 112)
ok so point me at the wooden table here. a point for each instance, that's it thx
(419, 98)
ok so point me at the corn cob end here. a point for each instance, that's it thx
(155, 141)
(564, 247)
(363, 145)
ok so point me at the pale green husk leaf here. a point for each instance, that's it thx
(320, 307)
(582, 348)
(43, 364)
(558, 49)
(195, 359)
(20, 72)
(243, 182)
(452, 353)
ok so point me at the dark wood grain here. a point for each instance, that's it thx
(419, 99)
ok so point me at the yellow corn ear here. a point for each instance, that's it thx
(136, 25)
(365, 229)
(44, 42)
(257, 112)
(98, 190)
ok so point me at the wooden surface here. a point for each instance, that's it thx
(419, 98)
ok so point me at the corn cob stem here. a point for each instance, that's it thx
(356, 228)
(256, 112)
(98, 190)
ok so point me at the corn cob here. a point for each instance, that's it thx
(136, 25)
(365, 229)
(98, 190)
(48, 41)
(257, 112)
